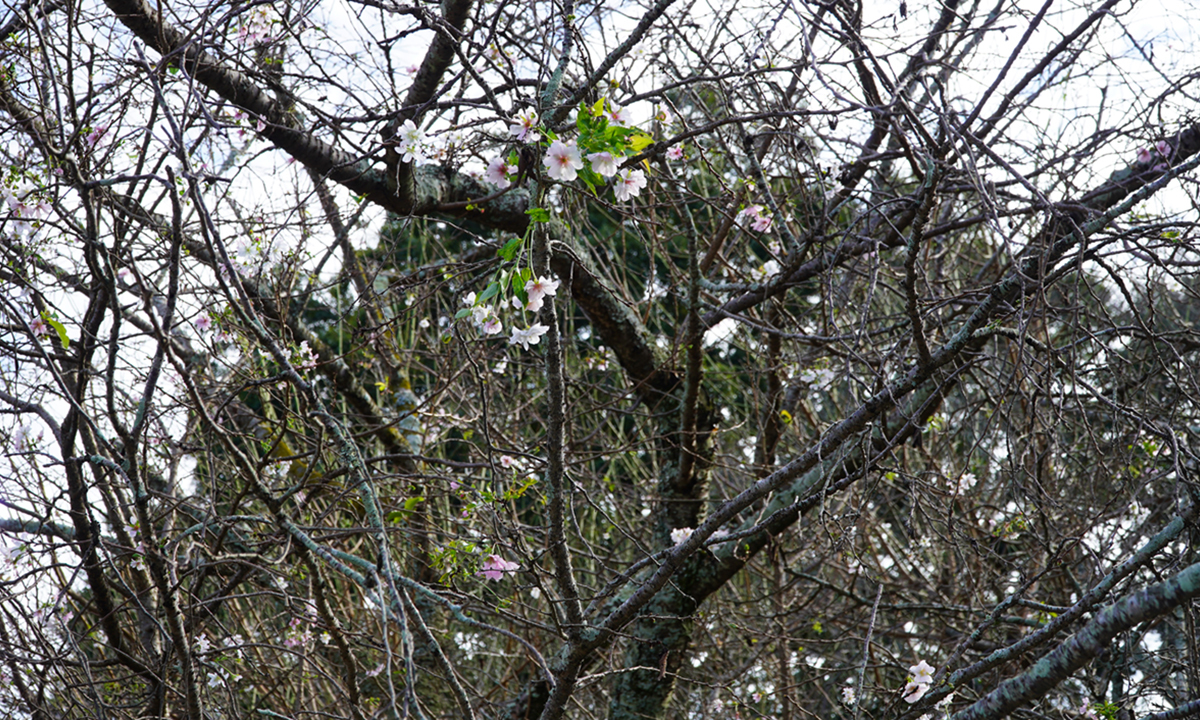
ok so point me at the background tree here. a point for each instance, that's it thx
(519, 360)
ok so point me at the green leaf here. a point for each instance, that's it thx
(462, 313)
(491, 291)
(598, 108)
(637, 142)
(519, 279)
(510, 249)
(538, 214)
(61, 330)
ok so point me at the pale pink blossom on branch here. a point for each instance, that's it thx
(410, 143)
(757, 217)
(914, 691)
(629, 184)
(562, 161)
(618, 115)
(491, 325)
(675, 152)
(525, 128)
(498, 171)
(529, 336)
(603, 163)
(922, 672)
(494, 567)
(537, 290)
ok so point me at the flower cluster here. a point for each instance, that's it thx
(757, 219)
(487, 319)
(922, 680)
(484, 316)
(25, 208)
(411, 143)
(1162, 151)
(495, 567)
(259, 28)
(607, 131)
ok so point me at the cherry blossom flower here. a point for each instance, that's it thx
(204, 323)
(494, 567)
(1143, 156)
(1164, 148)
(529, 336)
(562, 161)
(93, 138)
(491, 325)
(508, 462)
(525, 128)
(922, 672)
(469, 299)
(25, 440)
(537, 289)
(410, 142)
(629, 184)
(755, 215)
(914, 691)
(306, 359)
(39, 326)
(498, 171)
(848, 696)
(664, 115)
(679, 535)
(675, 152)
(603, 163)
(480, 313)
(1088, 711)
(618, 115)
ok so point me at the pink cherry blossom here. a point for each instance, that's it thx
(203, 323)
(1143, 155)
(95, 136)
(491, 325)
(525, 128)
(914, 691)
(497, 173)
(629, 184)
(529, 336)
(603, 163)
(618, 115)
(1164, 148)
(39, 326)
(675, 152)
(494, 567)
(537, 289)
(562, 161)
